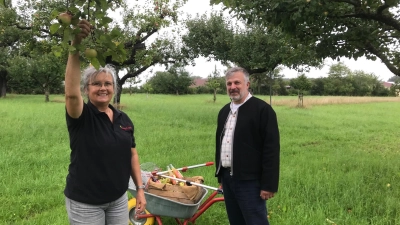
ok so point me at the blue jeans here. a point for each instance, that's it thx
(112, 213)
(243, 202)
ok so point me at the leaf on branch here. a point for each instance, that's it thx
(95, 63)
(80, 3)
(75, 11)
(67, 35)
(106, 20)
(57, 51)
(99, 14)
(79, 47)
(54, 14)
(76, 30)
(104, 5)
(54, 28)
(61, 9)
(72, 49)
(115, 33)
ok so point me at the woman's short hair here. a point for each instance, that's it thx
(90, 73)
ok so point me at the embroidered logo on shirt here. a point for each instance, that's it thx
(125, 128)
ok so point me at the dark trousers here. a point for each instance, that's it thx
(243, 202)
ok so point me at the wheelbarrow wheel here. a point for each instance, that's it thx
(132, 220)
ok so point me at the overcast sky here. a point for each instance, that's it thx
(203, 68)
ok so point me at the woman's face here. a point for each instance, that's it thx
(101, 89)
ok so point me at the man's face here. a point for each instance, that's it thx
(237, 87)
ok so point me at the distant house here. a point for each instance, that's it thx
(387, 85)
(197, 82)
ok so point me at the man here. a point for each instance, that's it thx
(247, 152)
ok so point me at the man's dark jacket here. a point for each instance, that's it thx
(256, 146)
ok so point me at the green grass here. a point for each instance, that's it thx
(339, 163)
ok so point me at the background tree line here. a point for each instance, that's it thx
(340, 81)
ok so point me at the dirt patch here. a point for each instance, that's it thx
(58, 100)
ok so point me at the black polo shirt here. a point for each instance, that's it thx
(100, 164)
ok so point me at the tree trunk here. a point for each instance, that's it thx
(3, 83)
(215, 95)
(3, 86)
(300, 101)
(117, 95)
(46, 92)
(117, 98)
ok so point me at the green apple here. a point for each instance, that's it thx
(90, 53)
(65, 19)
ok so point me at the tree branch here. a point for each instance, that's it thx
(395, 70)
(355, 3)
(381, 9)
(41, 30)
(389, 21)
(134, 74)
(262, 70)
(148, 34)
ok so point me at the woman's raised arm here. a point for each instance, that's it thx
(73, 96)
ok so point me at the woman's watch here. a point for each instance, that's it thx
(141, 187)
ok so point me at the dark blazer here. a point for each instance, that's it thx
(256, 146)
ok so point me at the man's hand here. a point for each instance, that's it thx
(265, 195)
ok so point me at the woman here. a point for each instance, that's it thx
(103, 153)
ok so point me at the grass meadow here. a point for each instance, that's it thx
(339, 156)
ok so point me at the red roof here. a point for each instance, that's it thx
(199, 82)
(387, 84)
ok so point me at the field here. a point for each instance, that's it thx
(339, 156)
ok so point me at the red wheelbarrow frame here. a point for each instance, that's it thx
(202, 208)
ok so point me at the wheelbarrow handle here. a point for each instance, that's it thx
(183, 169)
(189, 183)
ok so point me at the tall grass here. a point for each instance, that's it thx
(339, 162)
(309, 101)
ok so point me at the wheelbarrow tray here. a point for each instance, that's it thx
(161, 206)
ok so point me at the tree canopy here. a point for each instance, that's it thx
(337, 28)
(253, 47)
(174, 81)
(134, 43)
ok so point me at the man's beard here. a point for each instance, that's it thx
(236, 97)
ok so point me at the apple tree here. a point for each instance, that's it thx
(301, 83)
(11, 41)
(337, 28)
(271, 80)
(214, 82)
(252, 47)
(27, 49)
(133, 44)
(174, 81)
